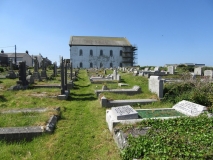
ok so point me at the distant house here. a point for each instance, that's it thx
(186, 64)
(101, 52)
(199, 65)
(189, 64)
(20, 57)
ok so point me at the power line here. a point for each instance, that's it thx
(7, 47)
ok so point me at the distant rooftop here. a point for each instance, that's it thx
(17, 54)
(98, 41)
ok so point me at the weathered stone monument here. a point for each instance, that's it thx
(43, 72)
(115, 74)
(156, 85)
(157, 69)
(64, 91)
(22, 83)
(124, 112)
(30, 79)
(62, 76)
(70, 70)
(170, 69)
(146, 69)
(189, 108)
(198, 71)
(36, 74)
(55, 69)
(22, 74)
(208, 73)
(11, 74)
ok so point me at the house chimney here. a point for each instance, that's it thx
(2, 51)
(27, 51)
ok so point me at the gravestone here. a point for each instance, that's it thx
(29, 72)
(189, 108)
(65, 70)
(30, 79)
(135, 72)
(115, 74)
(62, 76)
(156, 85)
(11, 74)
(55, 69)
(43, 72)
(208, 73)
(124, 112)
(198, 71)
(118, 78)
(146, 69)
(157, 69)
(170, 69)
(36, 74)
(22, 74)
(70, 70)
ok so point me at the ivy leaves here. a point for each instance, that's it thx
(183, 137)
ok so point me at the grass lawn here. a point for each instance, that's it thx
(81, 133)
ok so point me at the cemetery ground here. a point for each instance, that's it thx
(82, 132)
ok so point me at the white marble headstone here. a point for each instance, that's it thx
(157, 69)
(171, 69)
(124, 112)
(146, 69)
(198, 71)
(208, 73)
(189, 108)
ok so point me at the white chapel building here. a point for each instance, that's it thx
(101, 52)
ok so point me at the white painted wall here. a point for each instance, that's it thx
(28, 60)
(96, 59)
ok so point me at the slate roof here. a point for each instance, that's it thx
(98, 41)
(17, 54)
(3, 55)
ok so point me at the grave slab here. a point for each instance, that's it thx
(189, 108)
(133, 90)
(113, 103)
(124, 112)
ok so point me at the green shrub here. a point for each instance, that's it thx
(180, 138)
(197, 91)
(1, 69)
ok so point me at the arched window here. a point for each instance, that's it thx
(111, 65)
(81, 65)
(121, 52)
(101, 65)
(91, 65)
(101, 52)
(80, 52)
(111, 53)
(91, 52)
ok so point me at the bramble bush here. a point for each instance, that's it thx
(195, 90)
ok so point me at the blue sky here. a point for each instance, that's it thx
(165, 31)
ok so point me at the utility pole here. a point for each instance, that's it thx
(15, 54)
